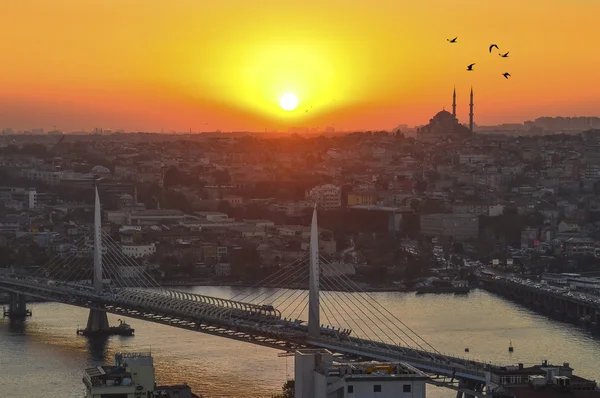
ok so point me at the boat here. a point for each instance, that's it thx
(444, 286)
(124, 329)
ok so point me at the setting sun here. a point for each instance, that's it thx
(288, 102)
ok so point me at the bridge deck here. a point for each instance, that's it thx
(258, 324)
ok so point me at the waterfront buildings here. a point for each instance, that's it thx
(542, 380)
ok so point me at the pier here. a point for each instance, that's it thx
(554, 301)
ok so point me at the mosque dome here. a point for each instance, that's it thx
(443, 115)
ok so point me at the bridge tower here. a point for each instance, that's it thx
(314, 321)
(97, 319)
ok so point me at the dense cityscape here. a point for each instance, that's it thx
(432, 209)
(234, 207)
(283, 199)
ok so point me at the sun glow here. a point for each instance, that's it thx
(288, 102)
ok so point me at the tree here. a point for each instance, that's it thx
(173, 176)
(224, 207)
(288, 390)
(222, 177)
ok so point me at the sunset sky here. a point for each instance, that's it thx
(354, 64)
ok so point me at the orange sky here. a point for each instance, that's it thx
(206, 65)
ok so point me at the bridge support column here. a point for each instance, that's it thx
(97, 322)
(314, 322)
(17, 307)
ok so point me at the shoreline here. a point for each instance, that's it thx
(365, 289)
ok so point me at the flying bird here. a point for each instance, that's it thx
(492, 46)
(506, 75)
(452, 40)
(504, 55)
(470, 67)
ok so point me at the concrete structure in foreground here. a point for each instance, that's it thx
(317, 375)
(131, 376)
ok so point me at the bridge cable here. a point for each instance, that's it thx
(342, 314)
(351, 298)
(54, 261)
(75, 264)
(296, 274)
(112, 268)
(293, 312)
(150, 281)
(344, 290)
(284, 291)
(363, 313)
(126, 261)
(277, 276)
(343, 276)
(332, 312)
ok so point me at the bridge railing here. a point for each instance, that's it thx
(451, 365)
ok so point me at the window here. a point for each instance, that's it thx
(406, 388)
(377, 388)
(350, 389)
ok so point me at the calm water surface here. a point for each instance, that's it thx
(44, 353)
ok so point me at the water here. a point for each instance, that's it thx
(44, 353)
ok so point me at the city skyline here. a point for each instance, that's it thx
(144, 67)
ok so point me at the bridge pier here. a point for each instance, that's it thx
(97, 322)
(17, 307)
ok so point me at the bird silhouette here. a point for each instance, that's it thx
(504, 55)
(452, 40)
(492, 46)
(470, 67)
(506, 75)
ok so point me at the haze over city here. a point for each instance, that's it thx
(299, 199)
(181, 65)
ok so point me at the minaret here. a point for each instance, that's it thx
(471, 111)
(454, 103)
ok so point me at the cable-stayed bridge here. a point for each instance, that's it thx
(341, 317)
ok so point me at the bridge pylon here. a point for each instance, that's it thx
(97, 319)
(314, 322)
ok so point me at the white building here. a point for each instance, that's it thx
(327, 197)
(318, 376)
(293, 208)
(45, 176)
(132, 376)
(138, 251)
(458, 226)
(473, 158)
(24, 198)
(213, 216)
(222, 269)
